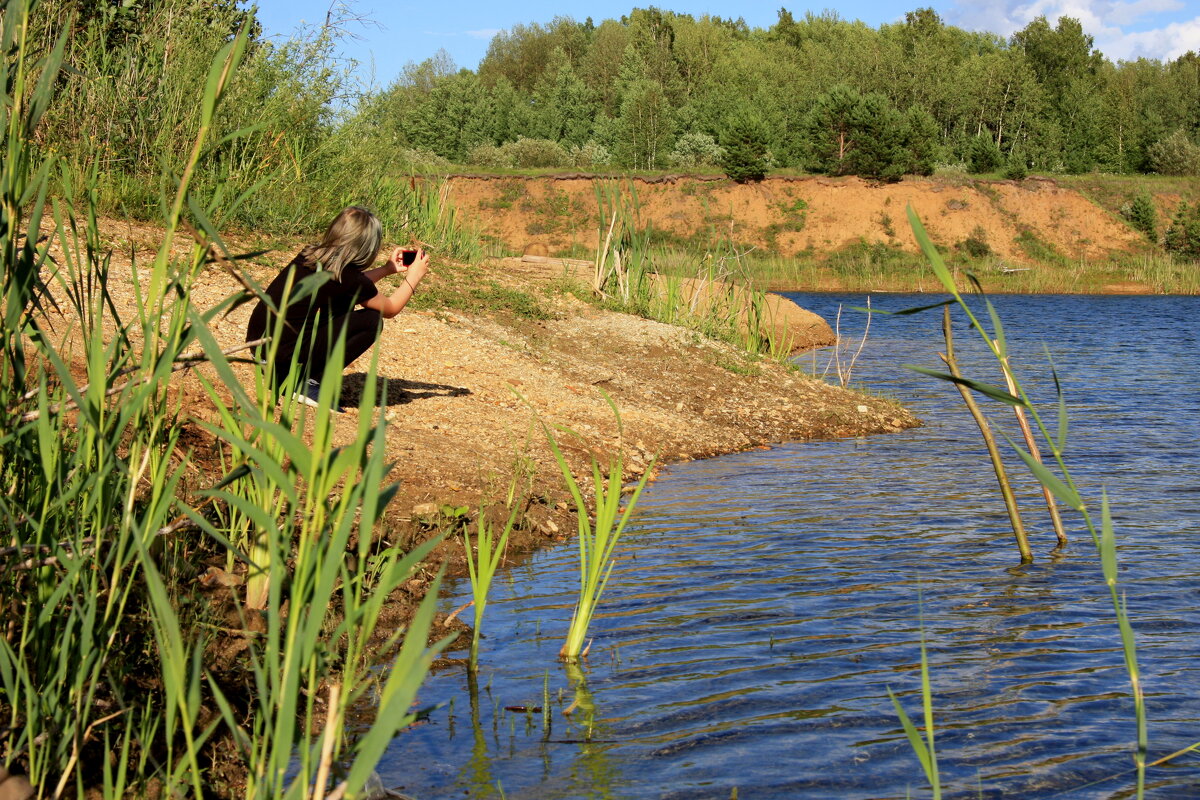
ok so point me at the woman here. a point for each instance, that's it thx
(316, 311)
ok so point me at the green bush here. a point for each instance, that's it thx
(489, 155)
(695, 150)
(1175, 155)
(532, 153)
(1183, 236)
(1142, 215)
(1016, 168)
(589, 155)
(976, 245)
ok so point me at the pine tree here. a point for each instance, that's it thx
(1183, 237)
(1142, 216)
(744, 140)
(983, 155)
(921, 140)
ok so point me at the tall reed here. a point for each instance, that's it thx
(712, 295)
(102, 531)
(597, 539)
(1061, 485)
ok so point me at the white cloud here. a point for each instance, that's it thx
(486, 33)
(1109, 22)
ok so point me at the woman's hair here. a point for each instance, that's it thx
(353, 240)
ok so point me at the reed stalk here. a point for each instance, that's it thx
(483, 559)
(989, 440)
(102, 525)
(1035, 451)
(1063, 488)
(597, 540)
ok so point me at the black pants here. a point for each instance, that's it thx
(315, 345)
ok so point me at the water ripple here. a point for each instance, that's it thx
(766, 602)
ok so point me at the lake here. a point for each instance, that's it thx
(766, 601)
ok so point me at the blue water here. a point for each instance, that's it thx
(766, 601)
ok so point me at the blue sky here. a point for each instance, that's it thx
(393, 34)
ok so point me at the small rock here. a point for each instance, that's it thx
(425, 510)
(863, 409)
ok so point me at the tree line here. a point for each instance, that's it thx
(656, 89)
(652, 90)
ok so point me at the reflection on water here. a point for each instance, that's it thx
(766, 601)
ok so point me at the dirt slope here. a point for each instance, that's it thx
(547, 215)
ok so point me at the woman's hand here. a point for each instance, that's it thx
(418, 269)
(396, 262)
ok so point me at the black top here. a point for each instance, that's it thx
(331, 300)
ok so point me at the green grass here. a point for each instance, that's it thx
(107, 649)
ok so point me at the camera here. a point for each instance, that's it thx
(408, 257)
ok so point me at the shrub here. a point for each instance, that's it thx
(590, 154)
(983, 155)
(1142, 216)
(696, 150)
(489, 155)
(745, 143)
(1016, 168)
(976, 245)
(1183, 236)
(1175, 155)
(531, 153)
(422, 160)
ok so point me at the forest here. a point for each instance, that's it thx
(653, 90)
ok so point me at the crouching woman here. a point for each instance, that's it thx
(310, 320)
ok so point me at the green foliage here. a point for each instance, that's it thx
(984, 155)
(921, 140)
(645, 126)
(534, 153)
(597, 540)
(590, 155)
(744, 142)
(483, 558)
(693, 150)
(850, 133)
(1183, 235)
(1176, 154)
(1061, 485)
(1142, 215)
(1016, 166)
(95, 476)
(976, 245)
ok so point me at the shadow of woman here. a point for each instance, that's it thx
(399, 391)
